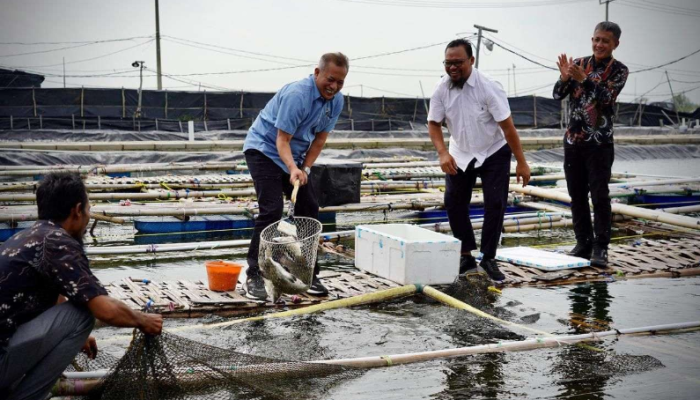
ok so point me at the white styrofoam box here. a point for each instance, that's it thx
(407, 254)
(540, 259)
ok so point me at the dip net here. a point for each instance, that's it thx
(297, 254)
(173, 367)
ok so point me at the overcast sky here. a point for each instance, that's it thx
(254, 35)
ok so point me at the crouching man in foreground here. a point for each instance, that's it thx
(49, 298)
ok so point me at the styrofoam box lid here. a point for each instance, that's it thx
(407, 233)
(540, 259)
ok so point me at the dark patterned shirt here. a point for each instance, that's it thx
(591, 103)
(36, 265)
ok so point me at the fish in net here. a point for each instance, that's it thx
(173, 367)
(287, 262)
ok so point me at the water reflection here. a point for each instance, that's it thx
(478, 376)
(576, 365)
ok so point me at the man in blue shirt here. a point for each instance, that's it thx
(282, 145)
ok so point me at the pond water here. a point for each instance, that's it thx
(642, 367)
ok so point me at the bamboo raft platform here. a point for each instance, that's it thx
(674, 257)
(192, 299)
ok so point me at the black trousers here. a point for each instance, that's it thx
(271, 183)
(495, 176)
(588, 169)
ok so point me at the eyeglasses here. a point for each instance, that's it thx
(453, 63)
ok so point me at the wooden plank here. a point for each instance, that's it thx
(136, 295)
(518, 271)
(659, 254)
(346, 291)
(222, 301)
(634, 261)
(554, 275)
(190, 290)
(176, 295)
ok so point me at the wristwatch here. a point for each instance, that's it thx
(307, 170)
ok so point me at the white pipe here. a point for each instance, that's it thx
(556, 341)
(406, 358)
(636, 212)
(166, 247)
(682, 210)
(634, 184)
(630, 175)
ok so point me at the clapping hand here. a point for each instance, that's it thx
(576, 72)
(564, 64)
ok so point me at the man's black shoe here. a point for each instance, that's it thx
(582, 250)
(599, 258)
(317, 288)
(255, 287)
(491, 268)
(466, 263)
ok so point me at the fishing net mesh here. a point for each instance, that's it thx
(473, 289)
(296, 254)
(172, 367)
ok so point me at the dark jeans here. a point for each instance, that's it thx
(495, 176)
(587, 169)
(41, 349)
(271, 182)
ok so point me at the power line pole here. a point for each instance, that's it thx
(515, 88)
(607, 5)
(478, 40)
(140, 66)
(64, 72)
(673, 98)
(508, 81)
(160, 78)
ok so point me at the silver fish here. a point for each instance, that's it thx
(278, 278)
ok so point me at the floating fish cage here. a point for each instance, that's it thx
(8, 230)
(232, 223)
(474, 212)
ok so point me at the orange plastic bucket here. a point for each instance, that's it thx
(222, 275)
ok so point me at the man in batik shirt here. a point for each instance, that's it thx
(592, 84)
(49, 298)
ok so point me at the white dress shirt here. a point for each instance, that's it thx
(472, 114)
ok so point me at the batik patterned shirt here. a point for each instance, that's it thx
(36, 265)
(592, 103)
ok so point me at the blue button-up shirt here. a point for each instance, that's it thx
(298, 109)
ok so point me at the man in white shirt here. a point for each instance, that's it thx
(482, 140)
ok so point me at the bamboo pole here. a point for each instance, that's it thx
(657, 182)
(20, 213)
(530, 225)
(339, 143)
(631, 211)
(682, 210)
(376, 186)
(548, 207)
(367, 298)
(526, 226)
(210, 245)
(166, 247)
(161, 195)
(120, 168)
(105, 218)
(529, 344)
(500, 347)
